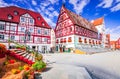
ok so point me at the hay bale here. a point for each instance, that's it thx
(77, 51)
(2, 60)
(15, 65)
(10, 75)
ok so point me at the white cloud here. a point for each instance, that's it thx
(50, 8)
(53, 1)
(55, 13)
(115, 8)
(45, 4)
(105, 3)
(64, 1)
(50, 22)
(96, 14)
(48, 12)
(32, 9)
(46, 16)
(114, 32)
(117, 1)
(34, 2)
(79, 5)
(114, 5)
(3, 4)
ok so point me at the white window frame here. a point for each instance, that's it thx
(45, 32)
(39, 30)
(31, 21)
(12, 28)
(22, 19)
(2, 37)
(12, 37)
(2, 26)
(23, 29)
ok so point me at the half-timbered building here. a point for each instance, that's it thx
(75, 32)
(25, 27)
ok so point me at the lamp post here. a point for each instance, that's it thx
(27, 37)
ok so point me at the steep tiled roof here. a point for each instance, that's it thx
(79, 20)
(98, 21)
(118, 41)
(112, 42)
(5, 11)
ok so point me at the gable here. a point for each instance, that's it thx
(62, 9)
(26, 15)
(38, 19)
(119, 41)
(62, 17)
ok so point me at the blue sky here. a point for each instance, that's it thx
(89, 9)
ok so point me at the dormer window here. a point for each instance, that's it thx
(38, 18)
(43, 24)
(10, 17)
(15, 13)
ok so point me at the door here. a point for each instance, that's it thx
(44, 49)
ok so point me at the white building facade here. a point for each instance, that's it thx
(74, 32)
(25, 27)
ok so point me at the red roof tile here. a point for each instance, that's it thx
(118, 41)
(5, 11)
(79, 20)
(112, 42)
(98, 21)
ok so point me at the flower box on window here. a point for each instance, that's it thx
(69, 39)
(80, 40)
(64, 40)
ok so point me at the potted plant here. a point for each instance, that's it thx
(39, 66)
(2, 50)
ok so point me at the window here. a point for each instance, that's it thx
(45, 39)
(12, 37)
(22, 38)
(43, 24)
(22, 19)
(64, 40)
(57, 41)
(85, 40)
(9, 17)
(15, 13)
(22, 29)
(2, 26)
(61, 40)
(76, 28)
(1, 37)
(69, 39)
(12, 28)
(31, 29)
(38, 39)
(70, 29)
(80, 40)
(45, 32)
(89, 41)
(31, 21)
(38, 18)
(39, 31)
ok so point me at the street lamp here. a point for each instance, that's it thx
(27, 37)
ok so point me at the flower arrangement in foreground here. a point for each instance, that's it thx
(2, 48)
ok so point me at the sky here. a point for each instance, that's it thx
(89, 9)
